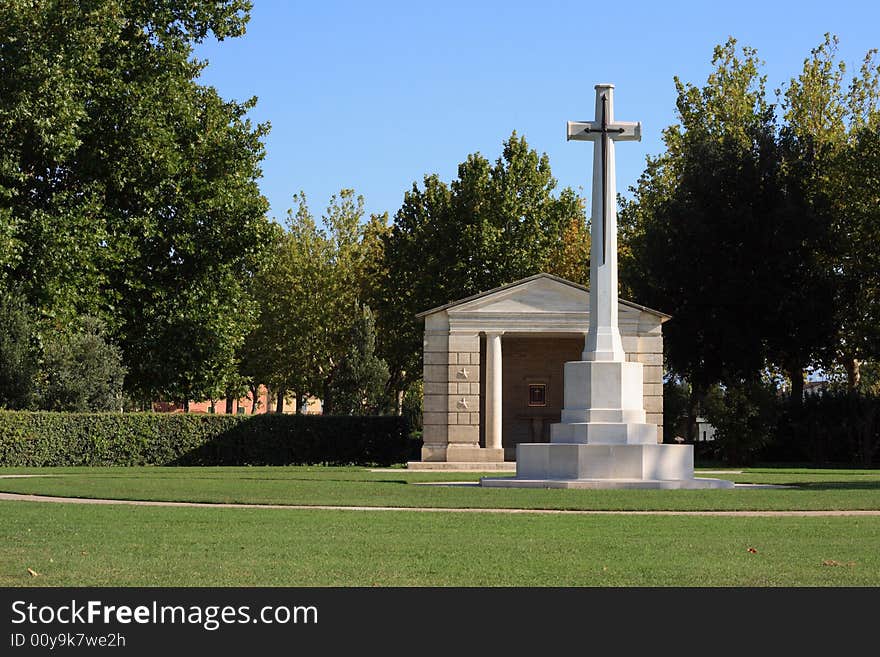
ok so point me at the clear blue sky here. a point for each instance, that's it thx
(374, 95)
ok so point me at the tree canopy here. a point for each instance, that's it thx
(128, 191)
(747, 230)
(310, 294)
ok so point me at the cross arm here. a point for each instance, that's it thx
(627, 131)
(581, 130)
(590, 130)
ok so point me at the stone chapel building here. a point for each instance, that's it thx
(493, 365)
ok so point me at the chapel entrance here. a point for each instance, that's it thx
(532, 385)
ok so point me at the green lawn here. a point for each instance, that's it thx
(80, 545)
(814, 489)
(87, 545)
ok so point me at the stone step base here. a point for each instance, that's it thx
(540, 461)
(460, 466)
(516, 482)
(604, 433)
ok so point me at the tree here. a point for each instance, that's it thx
(18, 353)
(127, 190)
(288, 349)
(493, 224)
(356, 385)
(571, 256)
(701, 218)
(858, 270)
(676, 396)
(309, 295)
(744, 414)
(729, 237)
(82, 370)
(838, 131)
(818, 142)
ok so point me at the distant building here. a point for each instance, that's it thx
(705, 431)
(813, 388)
(242, 406)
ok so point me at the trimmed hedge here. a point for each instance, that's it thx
(87, 439)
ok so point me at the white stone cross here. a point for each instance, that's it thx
(603, 339)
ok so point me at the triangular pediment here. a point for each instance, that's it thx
(541, 293)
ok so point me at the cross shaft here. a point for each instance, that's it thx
(603, 342)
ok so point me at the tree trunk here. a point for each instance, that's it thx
(392, 388)
(693, 412)
(255, 390)
(401, 392)
(186, 405)
(229, 410)
(853, 374)
(279, 401)
(796, 374)
(298, 403)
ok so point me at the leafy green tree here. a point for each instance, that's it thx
(676, 397)
(310, 293)
(846, 170)
(82, 370)
(744, 414)
(729, 235)
(288, 350)
(356, 386)
(570, 258)
(701, 212)
(826, 297)
(18, 353)
(858, 271)
(493, 224)
(413, 406)
(356, 250)
(128, 191)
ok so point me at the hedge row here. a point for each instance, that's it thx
(89, 439)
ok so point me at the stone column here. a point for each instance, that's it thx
(493, 391)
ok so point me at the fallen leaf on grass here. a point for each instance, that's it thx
(33, 572)
(753, 550)
(832, 562)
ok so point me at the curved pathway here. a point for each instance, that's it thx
(18, 497)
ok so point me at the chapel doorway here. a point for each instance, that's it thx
(532, 385)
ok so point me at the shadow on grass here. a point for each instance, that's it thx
(839, 485)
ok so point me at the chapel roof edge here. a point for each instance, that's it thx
(529, 279)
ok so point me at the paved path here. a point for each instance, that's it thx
(17, 497)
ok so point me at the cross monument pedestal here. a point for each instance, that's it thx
(602, 440)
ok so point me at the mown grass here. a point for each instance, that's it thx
(88, 545)
(83, 545)
(810, 489)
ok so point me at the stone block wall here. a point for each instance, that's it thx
(452, 397)
(647, 349)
